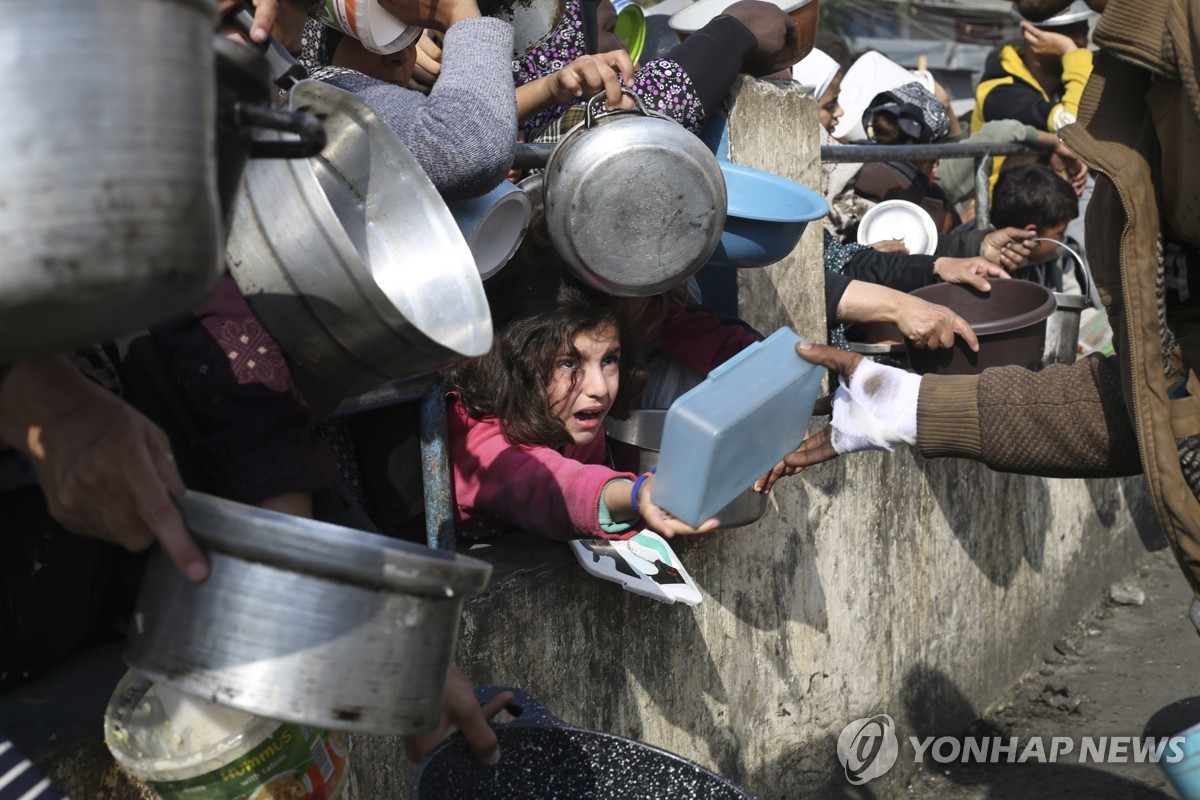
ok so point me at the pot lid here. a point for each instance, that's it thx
(326, 550)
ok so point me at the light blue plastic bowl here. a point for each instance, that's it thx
(766, 216)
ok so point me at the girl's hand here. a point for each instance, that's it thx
(1008, 247)
(428, 62)
(587, 75)
(660, 520)
(971, 271)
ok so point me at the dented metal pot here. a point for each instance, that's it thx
(303, 621)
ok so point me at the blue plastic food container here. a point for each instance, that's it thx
(723, 435)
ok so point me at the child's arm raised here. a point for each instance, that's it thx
(619, 498)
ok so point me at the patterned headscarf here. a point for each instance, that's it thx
(920, 114)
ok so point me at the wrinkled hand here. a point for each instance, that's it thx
(589, 75)
(437, 14)
(971, 271)
(428, 64)
(462, 712)
(264, 16)
(891, 246)
(107, 471)
(930, 326)
(1067, 165)
(1008, 247)
(661, 521)
(1043, 42)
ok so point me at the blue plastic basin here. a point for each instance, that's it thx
(767, 215)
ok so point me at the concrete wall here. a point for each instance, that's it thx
(877, 584)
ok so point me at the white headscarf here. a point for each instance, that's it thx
(816, 70)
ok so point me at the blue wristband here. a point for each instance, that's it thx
(637, 487)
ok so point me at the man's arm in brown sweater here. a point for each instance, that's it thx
(1062, 422)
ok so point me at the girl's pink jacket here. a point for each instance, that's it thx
(498, 485)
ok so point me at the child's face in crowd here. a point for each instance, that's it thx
(594, 367)
(828, 110)
(606, 26)
(1045, 251)
(396, 68)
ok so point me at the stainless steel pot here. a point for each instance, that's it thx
(644, 430)
(533, 21)
(634, 202)
(303, 621)
(110, 218)
(351, 259)
(1062, 327)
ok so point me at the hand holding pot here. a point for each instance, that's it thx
(584, 77)
(1008, 247)
(106, 471)
(264, 16)
(461, 711)
(773, 31)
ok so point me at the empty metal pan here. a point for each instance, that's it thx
(351, 259)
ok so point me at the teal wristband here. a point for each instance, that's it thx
(637, 487)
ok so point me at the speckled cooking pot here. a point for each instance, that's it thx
(542, 757)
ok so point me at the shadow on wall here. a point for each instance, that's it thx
(978, 505)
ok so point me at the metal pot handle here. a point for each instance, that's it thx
(285, 70)
(1089, 286)
(304, 124)
(527, 712)
(590, 114)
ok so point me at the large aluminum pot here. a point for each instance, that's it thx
(644, 430)
(351, 259)
(635, 203)
(303, 621)
(109, 220)
(533, 21)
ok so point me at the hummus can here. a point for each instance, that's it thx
(187, 748)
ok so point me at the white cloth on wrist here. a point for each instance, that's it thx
(877, 411)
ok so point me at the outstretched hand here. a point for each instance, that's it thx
(106, 471)
(661, 521)
(971, 271)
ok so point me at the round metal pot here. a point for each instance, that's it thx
(542, 757)
(644, 430)
(304, 622)
(634, 203)
(1062, 329)
(351, 260)
(110, 220)
(533, 21)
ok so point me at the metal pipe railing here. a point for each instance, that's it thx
(535, 156)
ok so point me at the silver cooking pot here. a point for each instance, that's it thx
(634, 203)
(1062, 328)
(644, 430)
(303, 621)
(351, 259)
(110, 220)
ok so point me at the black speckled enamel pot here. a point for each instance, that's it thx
(543, 757)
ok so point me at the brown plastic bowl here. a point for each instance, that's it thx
(1010, 322)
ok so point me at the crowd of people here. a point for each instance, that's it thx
(209, 400)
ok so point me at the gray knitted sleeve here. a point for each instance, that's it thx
(464, 133)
